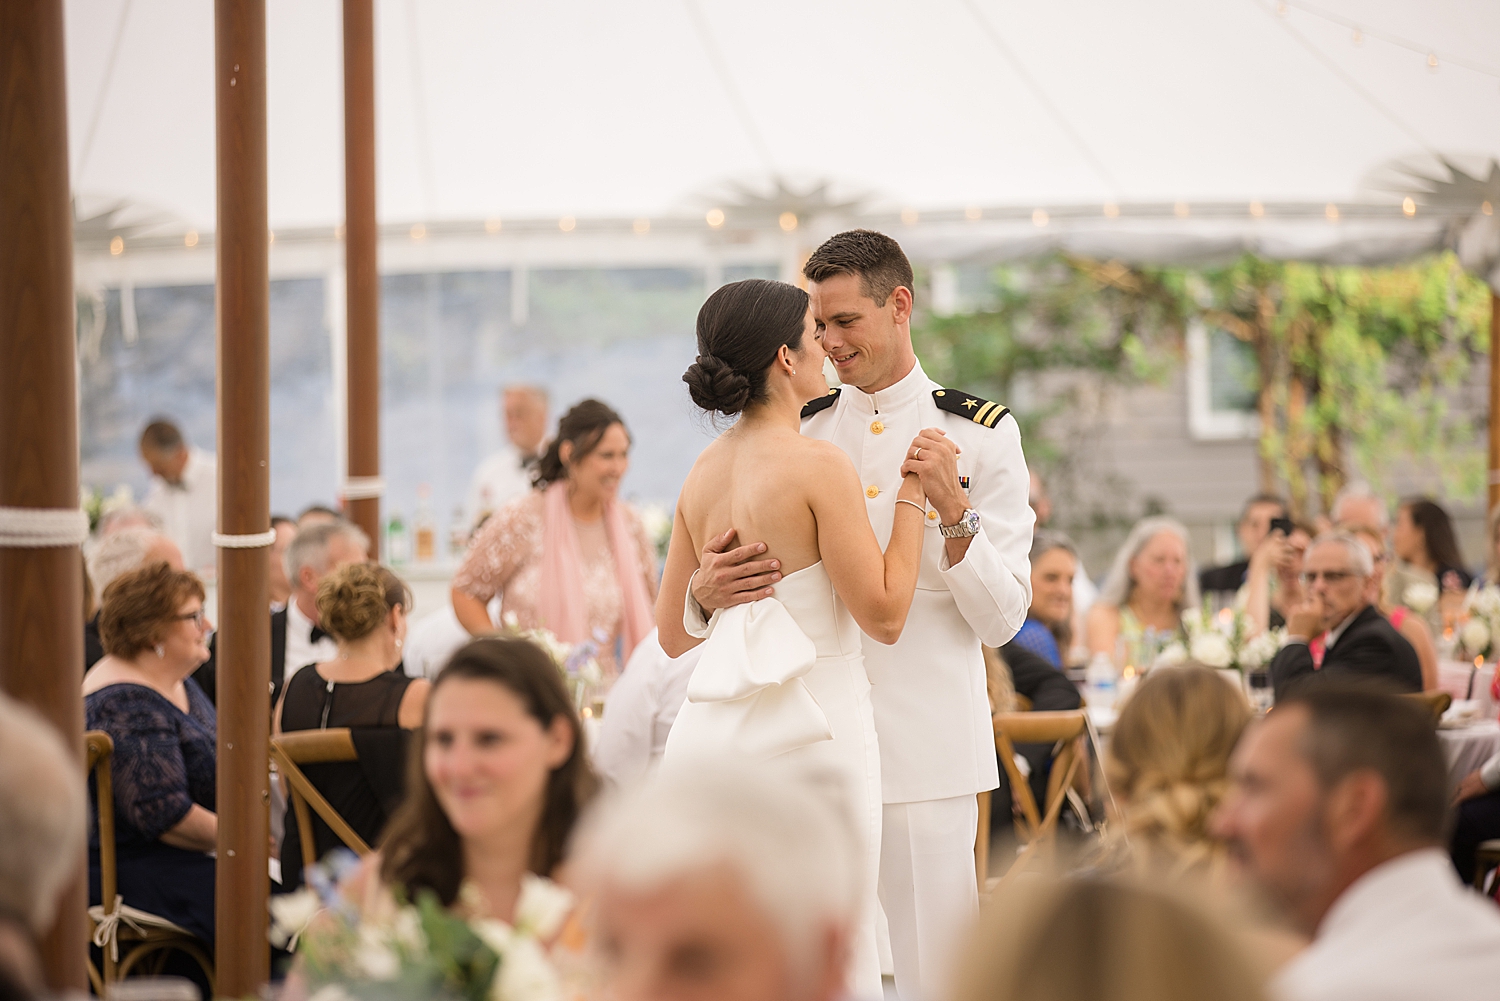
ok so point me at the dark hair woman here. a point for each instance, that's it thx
(494, 786)
(165, 732)
(759, 357)
(1427, 548)
(571, 557)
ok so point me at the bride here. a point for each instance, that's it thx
(784, 675)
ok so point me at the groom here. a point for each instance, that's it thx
(932, 713)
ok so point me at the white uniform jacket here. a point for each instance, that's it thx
(932, 711)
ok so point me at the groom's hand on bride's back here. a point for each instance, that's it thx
(732, 576)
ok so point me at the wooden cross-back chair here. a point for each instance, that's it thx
(1064, 730)
(126, 935)
(289, 751)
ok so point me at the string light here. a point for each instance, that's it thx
(1432, 62)
(1487, 208)
(788, 221)
(1331, 212)
(714, 218)
(1111, 210)
(641, 226)
(1409, 207)
(1257, 210)
(190, 239)
(1180, 210)
(270, 237)
(1039, 217)
(1359, 38)
(492, 225)
(909, 216)
(117, 245)
(567, 224)
(973, 213)
(338, 231)
(418, 231)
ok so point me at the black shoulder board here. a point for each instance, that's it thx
(821, 404)
(978, 410)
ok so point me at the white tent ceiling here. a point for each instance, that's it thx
(646, 108)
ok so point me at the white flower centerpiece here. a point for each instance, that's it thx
(422, 950)
(1227, 641)
(1482, 622)
(577, 662)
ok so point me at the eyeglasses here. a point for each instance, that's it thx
(197, 618)
(1331, 576)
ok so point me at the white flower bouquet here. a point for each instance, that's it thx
(1482, 621)
(1226, 641)
(577, 662)
(422, 950)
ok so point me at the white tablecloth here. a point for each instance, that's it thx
(1469, 748)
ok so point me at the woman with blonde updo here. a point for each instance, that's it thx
(363, 607)
(1167, 766)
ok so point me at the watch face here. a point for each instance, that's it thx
(970, 520)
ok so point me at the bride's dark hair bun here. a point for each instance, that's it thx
(713, 385)
(740, 329)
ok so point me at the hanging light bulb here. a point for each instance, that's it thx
(1180, 210)
(1359, 37)
(492, 225)
(1409, 207)
(909, 216)
(788, 221)
(418, 231)
(117, 245)
(973, 213)
(1331, 212)
(1039, 217)
(190, 239)
(714, 218)
(1111, 210)
(1257, 210)
(567, 224)
(641, 226)
(1432, 61)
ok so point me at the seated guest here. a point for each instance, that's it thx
(281, 587)
(640, 710)
(119, 553)
(317, 514)
(1014, 670)
(1168, 766)
(1150, 584)
(1048, 629)
(723, 880)
(1084, 591)
(1410, 625)
(1254, 525)
(1336, 576)
(165, 734)
(1336, 815)
(1357, 504)
(1427, 552)
(296, 637)
(43, 828)
(363, 606)
(1478, 821)
(1105, 940)
(1273, 585)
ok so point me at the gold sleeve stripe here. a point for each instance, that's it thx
(995, 415)
(982, 412)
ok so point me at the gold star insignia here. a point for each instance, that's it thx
(971, 404)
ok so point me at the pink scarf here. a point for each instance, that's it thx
(560, 603)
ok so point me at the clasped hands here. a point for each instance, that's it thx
(732, 576)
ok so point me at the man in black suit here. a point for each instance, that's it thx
(296, 637)
(1254, 525)
(1359, 640)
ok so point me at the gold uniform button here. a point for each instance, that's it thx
(932, 516)
(872, 492)
(877, 428)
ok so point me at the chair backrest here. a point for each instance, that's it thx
(307, 747)
(98, 750)
(1437, 703)
(1060, 729)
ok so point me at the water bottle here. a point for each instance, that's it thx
(1099, 681)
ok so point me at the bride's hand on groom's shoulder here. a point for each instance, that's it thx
(732, 576)
(933, 457)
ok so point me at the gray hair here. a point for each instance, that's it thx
(1045, 540)
(1118, 584)
(309, 547)
(785, 832)
(119, 553)
(1359, 554)
(1359, 490)
(43, 815)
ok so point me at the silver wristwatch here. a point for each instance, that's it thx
(965, 527)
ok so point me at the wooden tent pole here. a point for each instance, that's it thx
(1494, 403)
(41, 589)
(242, 956)
(361, 273)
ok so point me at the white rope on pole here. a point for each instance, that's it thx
(363, 487)
(257, 541)
(42, 527)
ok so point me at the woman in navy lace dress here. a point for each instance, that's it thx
(155, 635)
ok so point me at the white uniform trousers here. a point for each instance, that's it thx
(927, 889)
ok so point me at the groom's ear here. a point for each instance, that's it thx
(900, 303)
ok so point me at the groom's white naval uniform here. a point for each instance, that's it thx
(932, 711)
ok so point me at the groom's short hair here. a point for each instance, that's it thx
(878, 260)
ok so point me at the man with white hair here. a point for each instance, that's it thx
(296, 637)
(1357, 639)
(506, 474)
(43, 827)
(1356, 505)
(723, 881)
(118, 553)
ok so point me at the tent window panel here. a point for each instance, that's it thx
(1222, 385)
(1233, 379)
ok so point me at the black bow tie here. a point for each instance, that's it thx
(318, 632)
(527, 461)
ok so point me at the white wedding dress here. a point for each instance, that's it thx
(784, 677)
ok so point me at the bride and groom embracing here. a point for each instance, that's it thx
(812, 489)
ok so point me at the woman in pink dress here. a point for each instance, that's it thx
(570, 557)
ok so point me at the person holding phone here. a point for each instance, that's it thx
(1254, 525)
